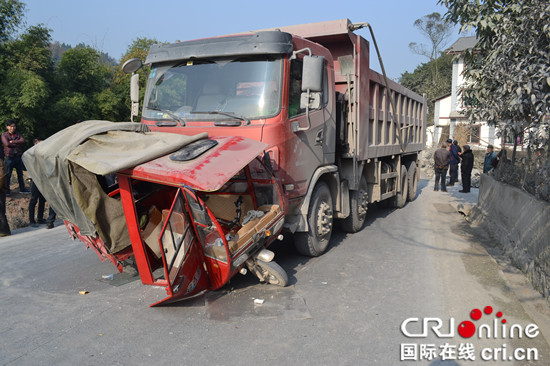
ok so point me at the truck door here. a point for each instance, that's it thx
(314, 147)
(181, 253)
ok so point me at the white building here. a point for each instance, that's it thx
(448, 110)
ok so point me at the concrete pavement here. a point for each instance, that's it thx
(343, 308)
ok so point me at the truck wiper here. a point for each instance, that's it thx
(228, 114)
(180, 120)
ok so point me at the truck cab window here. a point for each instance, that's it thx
(295, 88)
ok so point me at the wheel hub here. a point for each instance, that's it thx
(363, 204)
(324, 219)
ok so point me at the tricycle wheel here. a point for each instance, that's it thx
(273, 273)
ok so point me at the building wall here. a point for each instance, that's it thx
(445, 107)
(460, 82)
(442, 110)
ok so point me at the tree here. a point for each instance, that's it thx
(421, 81)
(508, 70)
(120, 86)
(28, 76)
(437, 30)
(11, 17)
(83, 71)
(57, 50)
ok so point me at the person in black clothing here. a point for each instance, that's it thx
(453, 164)
(458, 149)
(442, 157)
(36, 197)
(51, 218)
(466, 168)
(4, 226)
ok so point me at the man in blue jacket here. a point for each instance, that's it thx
(489, 157)
(453, 165)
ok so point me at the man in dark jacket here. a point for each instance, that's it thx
(490, 156)
(13, 149)
(466, 168)
(453, 164)
(442, 157)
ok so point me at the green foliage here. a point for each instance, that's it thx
(26, 72)
(70, 108)
(82, 70)
(422, 81)
(434, 77)
(110, 105)
(11, 17)
(121, 81)
(57, 50)
(48, 86)
(508, 70)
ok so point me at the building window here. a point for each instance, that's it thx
(474, 133)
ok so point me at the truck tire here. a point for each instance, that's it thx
(314, 242)
(358, 202)
(413, 182)
(400, 198)
(273, 273)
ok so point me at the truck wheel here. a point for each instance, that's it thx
(273, 273)
(413, 182)
(358, 208)
(401, 198)
(314, 242)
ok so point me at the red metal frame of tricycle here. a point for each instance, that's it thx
(206, 174)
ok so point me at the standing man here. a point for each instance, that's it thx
(458, 149)
(13, 149)
(36, 197)
(490, 156)
(455, 159)
(442, 157)
(466, 168)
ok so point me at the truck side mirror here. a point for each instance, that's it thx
(134, 96)
(130, 67)
(310, 100)
(312, 73)
(312, 82)
(312, 86)
(134, 88)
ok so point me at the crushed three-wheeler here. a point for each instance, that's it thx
(189, 212)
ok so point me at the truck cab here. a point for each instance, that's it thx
(250, 86)
(339, 135)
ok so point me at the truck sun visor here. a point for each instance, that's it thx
(193, 150)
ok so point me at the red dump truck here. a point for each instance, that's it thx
(242, 138)
(340, 135)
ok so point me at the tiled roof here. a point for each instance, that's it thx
(462, 44)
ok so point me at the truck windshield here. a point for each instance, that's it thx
(243, 88)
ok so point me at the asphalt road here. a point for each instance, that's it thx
(343, 308)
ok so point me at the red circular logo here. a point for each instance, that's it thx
(466, 329)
